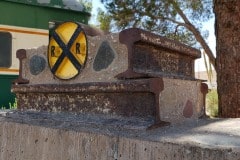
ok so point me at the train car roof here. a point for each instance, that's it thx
(38, 13)
(72, 5)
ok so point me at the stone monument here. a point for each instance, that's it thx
(133, 74)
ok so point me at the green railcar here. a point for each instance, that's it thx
(25, 24)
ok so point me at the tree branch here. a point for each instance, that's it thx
(174, 21)
(195, 32)
(176, 29)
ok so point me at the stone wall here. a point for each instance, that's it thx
(62, 137)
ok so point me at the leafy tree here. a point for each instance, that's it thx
(87, 4)
(105, 20)
(212, 103)
(177, 19)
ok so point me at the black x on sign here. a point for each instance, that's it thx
(67, 50)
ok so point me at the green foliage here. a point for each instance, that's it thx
(105, 20)
(87, 4)
(12, 106)
(212, 103)
(2, 108)
(170, 18)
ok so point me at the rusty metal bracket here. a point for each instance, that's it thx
(129, 98)
(204, 91)
(156, 56)
(129, 37)
(21, 54)
(156, 87)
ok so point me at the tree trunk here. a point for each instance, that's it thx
(227, 28)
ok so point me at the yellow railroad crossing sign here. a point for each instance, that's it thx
(67, 50)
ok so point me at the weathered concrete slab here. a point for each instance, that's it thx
(36, 136)
(181, 100)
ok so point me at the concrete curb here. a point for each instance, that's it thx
(30, 136)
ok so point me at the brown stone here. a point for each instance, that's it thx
(188, 109)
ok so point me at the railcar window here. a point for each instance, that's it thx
(5, 49)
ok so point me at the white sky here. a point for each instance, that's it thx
(96, 4)
(199, 64)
